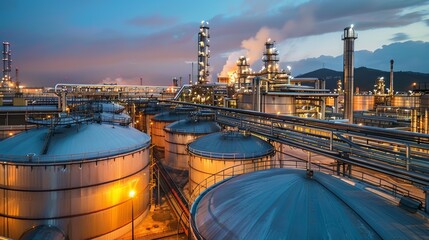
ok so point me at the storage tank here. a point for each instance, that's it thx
(161, 120)
(178, 134)
(215, 152)
(153, 108)
(287, 204)
(43, 232)
(76, 177)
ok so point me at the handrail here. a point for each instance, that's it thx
(236, 170)
(33, 159)
(234, 155)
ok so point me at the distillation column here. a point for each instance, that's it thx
(203, 53)
(348, 71)
(270, 59)
(391, 77)
(7, 64)
(243, 71)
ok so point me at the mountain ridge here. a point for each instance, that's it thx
(365, 78)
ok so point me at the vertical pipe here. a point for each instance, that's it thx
(132, 218)
(336, 104)
(426, 190)
(16, 76)
(323, 108)
(348, 71)
(407, 157)
(258, 95)
(391, 77)
(426, 126)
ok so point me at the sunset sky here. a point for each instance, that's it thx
(94, 41)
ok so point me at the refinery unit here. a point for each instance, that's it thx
(91, 166)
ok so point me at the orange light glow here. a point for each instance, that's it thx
(132, 193)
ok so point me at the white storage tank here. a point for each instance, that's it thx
(161, 120)
(215, 152)
(178, 134)
(286, 204)
(76, 178)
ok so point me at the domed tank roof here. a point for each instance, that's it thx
(173, 115)
(285, 204)
(155, 107)
(75, 142)
(230, 145)
(43, 232)
(193, 126)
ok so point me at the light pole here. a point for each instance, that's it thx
(191, 79)
(132, 193)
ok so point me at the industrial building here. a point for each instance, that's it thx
(84, 172)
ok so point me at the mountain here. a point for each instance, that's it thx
(408, 56)
(365, 78)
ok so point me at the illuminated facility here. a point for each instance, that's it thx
(243, 147)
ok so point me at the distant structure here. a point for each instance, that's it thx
(348, 71)
(391, 91)
(7, 65)
(270, 60)
(203, 53)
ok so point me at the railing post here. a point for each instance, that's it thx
(426, 190)
(331, 141)
(407, 157)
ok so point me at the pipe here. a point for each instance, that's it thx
(391, 77)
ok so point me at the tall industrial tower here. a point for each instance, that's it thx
(391, 91)
(7, 64)
(270, 59)
(203, 53)
(348, 71)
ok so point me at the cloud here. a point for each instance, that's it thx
(313, 18)
(400, 37)
(153, 21)
(92, 55)
(231, 62)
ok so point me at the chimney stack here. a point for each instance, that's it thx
(348, 71)
(391, 77)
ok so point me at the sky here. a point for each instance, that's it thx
(113, 41)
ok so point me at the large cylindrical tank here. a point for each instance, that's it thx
(76, 178)
(215, 152)
(161, 120)
(149, 111)
(290, 204)
(178, 134)
(363, 103)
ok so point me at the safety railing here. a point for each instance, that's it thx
(32, 158)
(388, 187)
